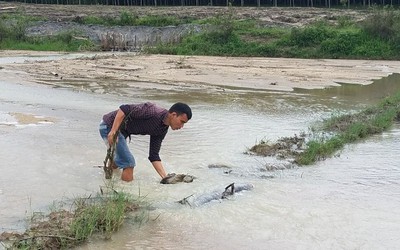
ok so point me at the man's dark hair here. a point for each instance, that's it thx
(181, 108)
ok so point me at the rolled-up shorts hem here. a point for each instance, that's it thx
(123, 157)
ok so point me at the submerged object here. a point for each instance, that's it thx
(230, 190)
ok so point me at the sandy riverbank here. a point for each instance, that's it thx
(198, 72)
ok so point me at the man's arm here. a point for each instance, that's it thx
(119, 117)
(159, 168)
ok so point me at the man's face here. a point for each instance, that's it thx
(177, 121)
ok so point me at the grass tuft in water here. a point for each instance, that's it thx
(62, 229)
(340, 130)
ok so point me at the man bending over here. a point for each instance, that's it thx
(141, 119)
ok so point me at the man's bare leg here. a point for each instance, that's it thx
(127, 174)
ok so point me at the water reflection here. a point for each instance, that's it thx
(353, 96)
(358, 94)
(345, 97)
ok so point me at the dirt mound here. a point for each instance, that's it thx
(266, 15)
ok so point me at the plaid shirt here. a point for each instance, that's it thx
(142, 119)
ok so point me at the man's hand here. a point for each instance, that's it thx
(112, 136)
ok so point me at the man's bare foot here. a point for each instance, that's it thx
(127, 174)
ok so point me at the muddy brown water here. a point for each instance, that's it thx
(349, 201)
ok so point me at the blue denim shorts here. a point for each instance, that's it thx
(123, 157)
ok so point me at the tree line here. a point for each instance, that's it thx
(243, 3)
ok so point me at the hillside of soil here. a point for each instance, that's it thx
(284, 16)
(61, 18)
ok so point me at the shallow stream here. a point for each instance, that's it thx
(349, 201)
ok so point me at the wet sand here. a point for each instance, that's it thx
(171, 72)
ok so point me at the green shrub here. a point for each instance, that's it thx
(3, 31)
(127, 19)
(344, 22)
(384, 24)
(94, 20)
(18, 30)
(343, 44)
(373, 49)
(312, 35)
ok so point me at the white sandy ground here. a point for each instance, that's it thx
(177, 72)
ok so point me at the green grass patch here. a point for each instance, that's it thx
(131, 19)
(345, 39)
(351, 128)
(101, 215)
(161, 21)
(65, 41)
(335, 133)
(319, 150)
